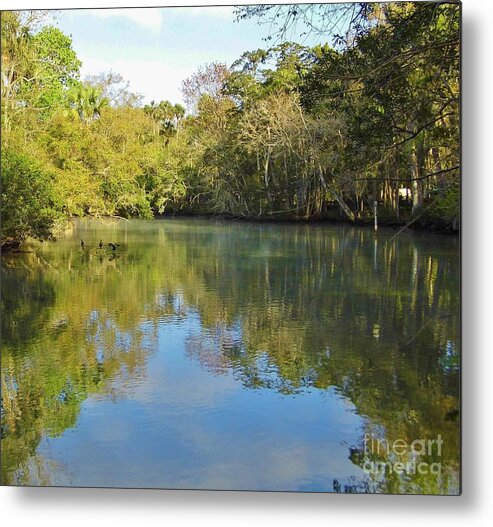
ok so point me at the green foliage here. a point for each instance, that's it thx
(87, 101)
(448, 203)
(285, 132)
(58, 67)
(29, 206)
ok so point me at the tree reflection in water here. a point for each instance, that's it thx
(284, 308)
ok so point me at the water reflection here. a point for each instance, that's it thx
(223, 355)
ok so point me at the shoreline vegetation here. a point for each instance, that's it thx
(335, 132)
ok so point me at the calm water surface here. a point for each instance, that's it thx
(224, 355)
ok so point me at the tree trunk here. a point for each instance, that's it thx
(342, 204)
(418, 171)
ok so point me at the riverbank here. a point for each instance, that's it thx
(423, 221)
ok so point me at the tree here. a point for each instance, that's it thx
(208, 80)
(336, 20)
(166, 117)
(29, 205)
(17, 64)
(88, 101)
(116, 89)
(394, 74)
(58, 67)
(38, 67)
(288, 131)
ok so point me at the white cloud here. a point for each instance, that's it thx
(152, 18)
(148, 18)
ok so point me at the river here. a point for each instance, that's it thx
(231, 355)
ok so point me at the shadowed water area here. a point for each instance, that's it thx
(228, 355)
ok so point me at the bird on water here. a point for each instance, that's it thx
(100, 244)
(82, 244)
(113, 245)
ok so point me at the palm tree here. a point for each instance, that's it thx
(179, 113)
(166, 117)
(88, 101)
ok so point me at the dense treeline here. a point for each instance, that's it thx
(289, 132)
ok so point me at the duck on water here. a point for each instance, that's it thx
(101, 245)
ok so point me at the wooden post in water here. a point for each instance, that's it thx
(375, 204)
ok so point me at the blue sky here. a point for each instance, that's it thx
(155, 49)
